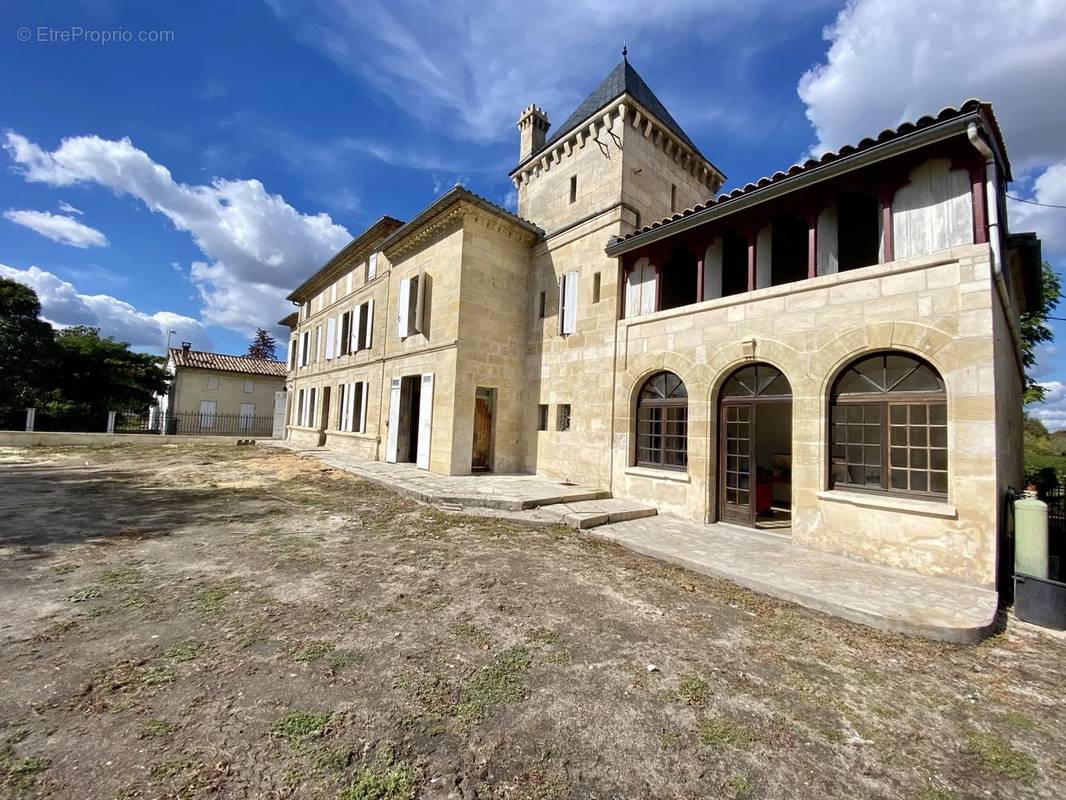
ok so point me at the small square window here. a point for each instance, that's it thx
(563, 418)
(249, 387)
(542, 305)
(542, 417)
(212, 382)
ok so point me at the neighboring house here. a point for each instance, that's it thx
(830, 351)
(216, 393)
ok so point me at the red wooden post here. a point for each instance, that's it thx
(980, 209)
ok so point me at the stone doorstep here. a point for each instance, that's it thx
(593, 513)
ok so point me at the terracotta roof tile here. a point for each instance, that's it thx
(198, 359)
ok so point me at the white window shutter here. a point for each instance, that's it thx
(362, 406)
(391, 439)
(568, 303)
(369, 322)
(425, 420)
(372, 267)
(339, 347)
(331, 336)
(649, 289)
(403, 309)
(420, 298)
(357, 322)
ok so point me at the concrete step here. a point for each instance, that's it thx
(571, 496)
(592, 513)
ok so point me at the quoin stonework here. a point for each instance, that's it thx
(831, 352)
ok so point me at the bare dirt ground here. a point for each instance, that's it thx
(192, 622)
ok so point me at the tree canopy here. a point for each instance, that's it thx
(263, 346)
(74, 369)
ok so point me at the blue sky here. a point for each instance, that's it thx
(188, 184)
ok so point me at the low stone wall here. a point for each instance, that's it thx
(49, 439)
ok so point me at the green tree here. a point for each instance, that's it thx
(26, 347)
(263, 346)
(96, 374)
(1034, 329)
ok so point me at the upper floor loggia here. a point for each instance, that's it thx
(924, 187)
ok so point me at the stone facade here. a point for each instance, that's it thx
(531, 309)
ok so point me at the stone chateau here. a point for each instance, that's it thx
(830, 352)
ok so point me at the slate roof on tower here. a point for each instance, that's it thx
(623, 79)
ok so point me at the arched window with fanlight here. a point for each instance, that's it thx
(889, 427)
(662, 422)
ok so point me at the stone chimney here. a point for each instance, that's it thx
(186, 346)
(532, 126)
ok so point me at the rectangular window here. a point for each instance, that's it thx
(673, 198)
(596, 288)
(212, 382)
(662, 435)
(542, 305)
(331, 337)
(573, 188)
(342, 408)
(249, 387)
(542, 417)
(305, 348)
(567, 303)
(318, 343)
(563, 417)
(312, 410)
(246, 418)
(363, 334)
(358, 407)
(292, 354)
(346, 333)
(372, 267)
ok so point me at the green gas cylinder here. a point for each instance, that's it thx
(1030, 535)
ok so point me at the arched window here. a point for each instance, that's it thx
(662, 422)
(889, 427)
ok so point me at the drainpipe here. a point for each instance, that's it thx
(995, 237)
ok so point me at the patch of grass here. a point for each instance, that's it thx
(471, 633)
(723, 732)
(993, 754)
(342, 659)
(156, 676)
(22, 774)
(128, 576)
(188, 650)
(156, 728)
(298, 726)
(498, 683)
(738, 786)
(937, 793)
(131, 676)
(544, 636)
(693, 690)
(307, 652)
(669, 740)
(80, 596)
(384, 781)
(1017, 719)
(65, 568)
(212, 600)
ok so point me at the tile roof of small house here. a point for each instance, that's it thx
(947, 114)
(198, 359)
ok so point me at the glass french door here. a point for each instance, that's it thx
(737, 458)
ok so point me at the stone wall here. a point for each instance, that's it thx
(190, 387)
(939, 307)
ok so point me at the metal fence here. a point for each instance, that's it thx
(1055, 497)
(190, 423)
(193, 423)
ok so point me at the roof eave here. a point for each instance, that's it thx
(364, 241)
(864, 158)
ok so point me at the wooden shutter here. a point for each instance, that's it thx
(649, 289)
(369, 323)
(403, 309)
(357, 326)
(567, 303)
(362, 406)
(425, 420)
(394, 421)
(372, 267)
(418, 288)
(331, 337)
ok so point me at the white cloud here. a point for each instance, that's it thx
(896, 60)
(58, 228)
(67, 208)
(1052, 411)
(63, 305)
(258, 245)
(469, 71)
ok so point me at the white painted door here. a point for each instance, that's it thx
(425, 420)
(280, 399)
(394, 420)
(246, 418)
